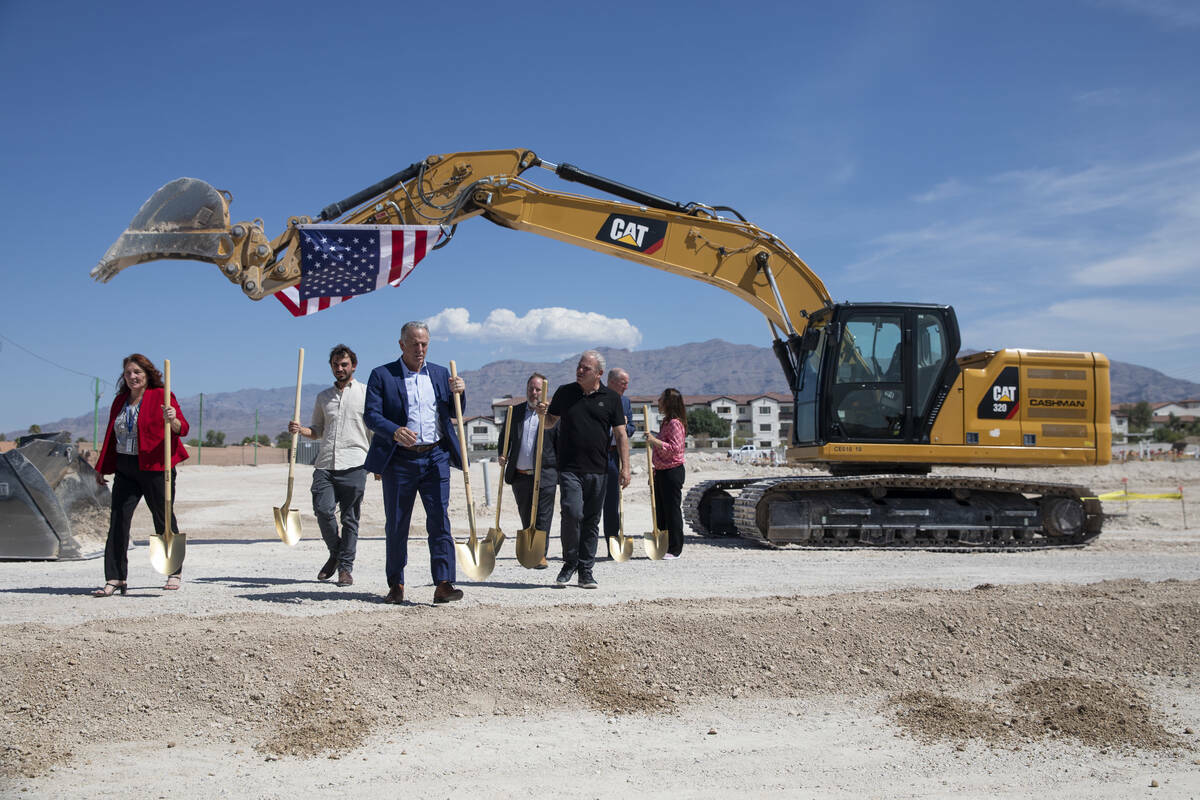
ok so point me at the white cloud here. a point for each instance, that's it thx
(943, 191)
(1100, 98)
(540, 326)
(1169, 13)
(1150, 332)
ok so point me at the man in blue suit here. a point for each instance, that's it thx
(409, 411)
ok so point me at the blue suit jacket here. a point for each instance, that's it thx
(386, 410)
(627, 409)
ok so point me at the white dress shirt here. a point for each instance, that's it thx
(337, 420)
(528, 441)
(422, 404)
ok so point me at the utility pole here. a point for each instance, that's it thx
(200, 440)
(96, 415)
(256, 437)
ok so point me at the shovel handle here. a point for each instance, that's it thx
(504, 452)
(650, 467)
(462, 446)
(537, 465)
(296, 419)
(166, 449)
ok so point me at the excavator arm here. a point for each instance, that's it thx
(189, 219)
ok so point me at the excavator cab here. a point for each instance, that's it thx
(874, 373)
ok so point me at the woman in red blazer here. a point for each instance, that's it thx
(133, 449)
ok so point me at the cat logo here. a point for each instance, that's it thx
(634, 233)
(1003, 398)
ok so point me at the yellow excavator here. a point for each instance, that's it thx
(880, 394)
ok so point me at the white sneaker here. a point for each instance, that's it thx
(669, 555)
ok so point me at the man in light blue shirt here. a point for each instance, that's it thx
(409, 410)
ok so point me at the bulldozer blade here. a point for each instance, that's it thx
(497, 538)
(50, 504)
(656, 543)
(475, 557)
(531, 547)
(620, 548)
(185, 219)
(167, 552)
(287, 525)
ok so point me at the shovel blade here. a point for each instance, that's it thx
(620, 548)
(287, 525)
(497, 538)
(475, 557)
(186, 219)
(531, 547)
(655, 543)
(167, 552)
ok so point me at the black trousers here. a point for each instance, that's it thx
(522, 487)
(130, 485)
(668, 493)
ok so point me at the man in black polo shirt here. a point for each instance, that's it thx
(589, 413)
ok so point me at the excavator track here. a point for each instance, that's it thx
(698, 506)
(925, 512)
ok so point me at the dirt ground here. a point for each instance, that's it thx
(769, 673)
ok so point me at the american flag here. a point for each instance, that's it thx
(338, 262)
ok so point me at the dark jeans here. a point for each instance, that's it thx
(406, 475)
(612, 495)
(668, 492)
(130, 485)
(522, 487)
(581, 501)
(333, 489)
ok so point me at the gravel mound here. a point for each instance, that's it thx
(1002, 664)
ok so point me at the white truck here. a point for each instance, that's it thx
(747, 452)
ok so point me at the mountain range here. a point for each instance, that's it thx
(712, 367)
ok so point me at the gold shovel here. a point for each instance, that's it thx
(494, 534)
(287, 520)
(476, 557)
(531, 543)
(620, 547)
(656, 541)
(168, 548)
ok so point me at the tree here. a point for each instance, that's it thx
(283, 439)
(35, 428)
(705, 422)
(193, 442)
(214, 439)
(3, 437)
(263, 439)
(1140, 415)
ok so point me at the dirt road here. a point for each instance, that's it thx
(733, 669)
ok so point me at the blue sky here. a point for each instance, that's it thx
(1034, 164)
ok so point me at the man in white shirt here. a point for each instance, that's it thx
(339, 478)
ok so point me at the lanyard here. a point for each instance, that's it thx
(131, 414)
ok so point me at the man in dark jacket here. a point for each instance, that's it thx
(410, 411)
(521, 459)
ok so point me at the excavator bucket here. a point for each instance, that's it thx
(50, 504)
(186, 219)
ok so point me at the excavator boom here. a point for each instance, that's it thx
(188, 219)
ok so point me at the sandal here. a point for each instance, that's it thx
(173, 582)
(110, 588)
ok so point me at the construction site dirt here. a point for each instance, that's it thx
(735, 669)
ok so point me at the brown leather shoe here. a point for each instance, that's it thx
(395, 595)
(446, 593)
(542, 564)
(327, 571)
(345, 578)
